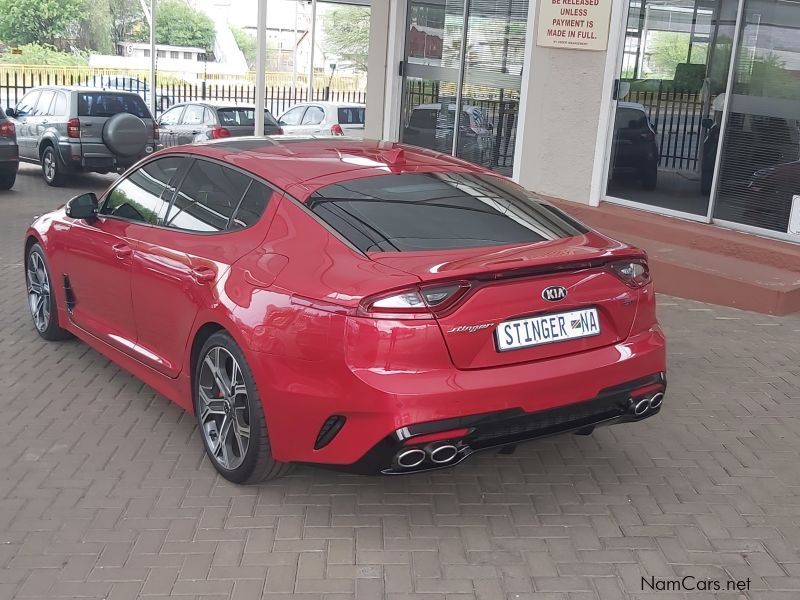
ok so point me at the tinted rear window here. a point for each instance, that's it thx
(108, 104)
(233, 117)
(437, 211)
(351, 116)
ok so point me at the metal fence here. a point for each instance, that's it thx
(678, 117)
(13, 87)
(500, 114)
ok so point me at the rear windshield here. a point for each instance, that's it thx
(233, 117)
(108, 104)
(438, 211)
(351, 115)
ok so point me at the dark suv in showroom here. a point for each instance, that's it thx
(73, 129)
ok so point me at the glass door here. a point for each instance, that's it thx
(759, 179)
(670, 100)
(462, 78)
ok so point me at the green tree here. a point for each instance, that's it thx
(36, 54)
(667, 49)
(247, 44)
(346, 32)
(50, 22)
(178, 24)
(126, 17)
(94, 28)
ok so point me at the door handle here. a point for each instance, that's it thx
(122, 250)
(203, 274)
(195, 132)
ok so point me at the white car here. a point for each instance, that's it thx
(324, 118)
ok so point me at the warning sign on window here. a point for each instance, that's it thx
(574, 24)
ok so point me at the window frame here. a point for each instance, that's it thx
(320, 122)
(177, 178)
(180, 175)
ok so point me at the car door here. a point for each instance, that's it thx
(167, 124)
(291, 119)
(313, 121)
(41, 116)
(99, 253)
(178, 269)
(190, 125)
(22, 116)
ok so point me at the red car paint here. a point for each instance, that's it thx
(291, 293)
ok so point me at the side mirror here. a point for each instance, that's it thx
(11, 112)
(82, 207)
(707, 123)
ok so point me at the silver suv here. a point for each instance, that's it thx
(73, 129)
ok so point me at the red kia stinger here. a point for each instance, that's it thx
(363, 305)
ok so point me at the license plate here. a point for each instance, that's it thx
(547, 329)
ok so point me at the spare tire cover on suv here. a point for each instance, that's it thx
(125, 134)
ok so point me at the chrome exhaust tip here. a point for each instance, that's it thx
(641, 407)
(443, 454)
(408, 459)
(657, 400)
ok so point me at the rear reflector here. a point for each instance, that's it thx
(8, 130)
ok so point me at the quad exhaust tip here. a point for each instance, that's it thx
(408, 459)
(645, 405)
(443, 454)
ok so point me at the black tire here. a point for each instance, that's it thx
(51, 331)
(52, 169)
(650, 177)
(8, 175)
(257, 464)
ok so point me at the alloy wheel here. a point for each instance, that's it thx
(49, 164)
(38, 291)
(224, 411)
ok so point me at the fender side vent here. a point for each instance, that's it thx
(330, 428)
(69, 294)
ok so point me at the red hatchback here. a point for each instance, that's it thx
(357, 304)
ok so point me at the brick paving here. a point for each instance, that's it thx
(105, 493)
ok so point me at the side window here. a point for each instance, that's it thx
(25, 106)
(193, 115)
(293, 116)
(207, 198)
(60, 105)
(172, 116)
(145, 194)
(314, 116)
(208, 117)
(253, 205)
(43, 105)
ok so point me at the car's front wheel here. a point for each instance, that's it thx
(52, 171)
(41, 299)
(230, 416)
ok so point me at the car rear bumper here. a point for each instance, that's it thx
(9, 153)
(300, 397)
(474, 433)
(82, 156)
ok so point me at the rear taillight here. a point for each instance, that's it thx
(424, 302)
(217, 133)
(74, 128)
(156, 132)
(336, 129)
(634, 273)
(7, 130)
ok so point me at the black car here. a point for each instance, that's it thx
(9, 152)
(635, 150)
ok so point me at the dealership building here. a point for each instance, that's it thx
(680, 108)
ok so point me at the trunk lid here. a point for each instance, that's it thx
(508, 284)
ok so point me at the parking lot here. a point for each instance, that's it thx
(105, 491)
